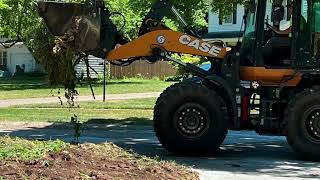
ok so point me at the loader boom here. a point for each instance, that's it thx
(168, 41)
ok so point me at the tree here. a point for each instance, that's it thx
(59, 63)
(3, 5)
(18, 18)
(194, 11)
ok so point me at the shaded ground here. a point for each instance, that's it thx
(91, 161)
(244, 155)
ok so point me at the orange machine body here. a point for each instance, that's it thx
(168, 40)
(270, 77)
(177, 42)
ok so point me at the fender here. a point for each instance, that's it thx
(216, 82)
(229, 96)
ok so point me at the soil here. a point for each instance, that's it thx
(93, 162)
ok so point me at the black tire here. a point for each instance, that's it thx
(303, 120)
(197, 132)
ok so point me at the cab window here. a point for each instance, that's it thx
(304, 16)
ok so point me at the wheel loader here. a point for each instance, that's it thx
(269, 83)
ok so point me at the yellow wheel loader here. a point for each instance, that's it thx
(268, 83)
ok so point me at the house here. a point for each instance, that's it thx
(229, 23)
(16, 58)
(231, 27)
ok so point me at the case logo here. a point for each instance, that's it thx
(161, 39)
(199, 45)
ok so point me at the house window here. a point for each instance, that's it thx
(228, 18)
(3, 58)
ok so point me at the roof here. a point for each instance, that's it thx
(17, 44)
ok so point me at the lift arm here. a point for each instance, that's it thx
(168, 41)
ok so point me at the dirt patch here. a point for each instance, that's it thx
(91, 161)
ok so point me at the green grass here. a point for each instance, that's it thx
(15, 88)
(137, 104)
(137, 111)
(63, 115)
(20, 149)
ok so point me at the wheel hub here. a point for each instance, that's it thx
(192, 120)
(313, 124)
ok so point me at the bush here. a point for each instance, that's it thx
(173, 78)
(186, 59)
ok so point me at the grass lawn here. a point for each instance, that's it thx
(15, 88)
(138, 111)
(64, 115)
(137, 104)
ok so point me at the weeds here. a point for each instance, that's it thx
(20, 149)
(70, 95)
(77, 127)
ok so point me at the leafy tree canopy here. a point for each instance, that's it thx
(17, 17)
(3, 5)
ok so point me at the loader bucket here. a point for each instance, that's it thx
(76, 25)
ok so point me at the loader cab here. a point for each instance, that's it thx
(264, 43)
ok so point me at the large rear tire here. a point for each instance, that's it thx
(190, 119)
(303, 118)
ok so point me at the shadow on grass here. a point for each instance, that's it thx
(243, 153)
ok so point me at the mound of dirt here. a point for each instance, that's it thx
(90, 161)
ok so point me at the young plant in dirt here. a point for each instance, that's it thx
(77, 127)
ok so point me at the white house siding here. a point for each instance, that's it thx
(21, 56)
(96, 63)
